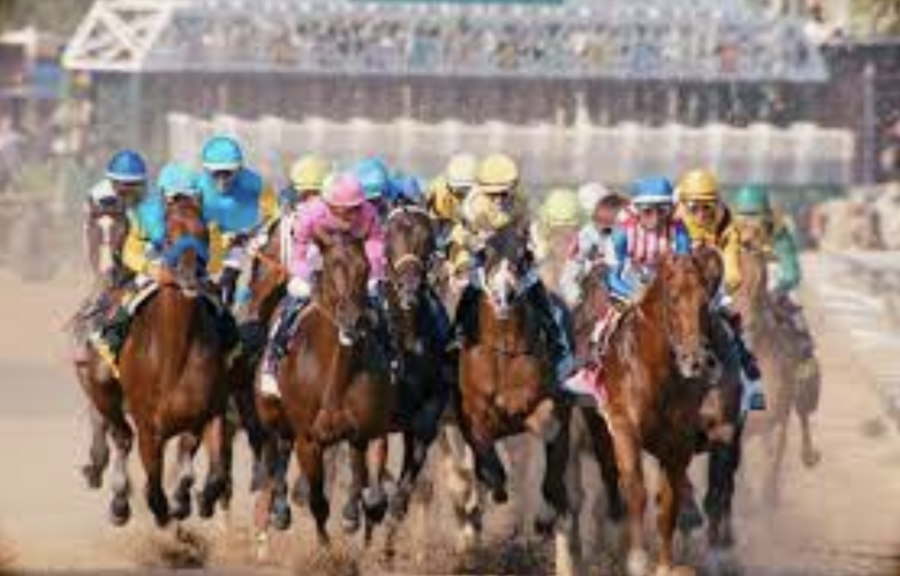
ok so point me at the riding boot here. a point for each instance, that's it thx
(228, 284)
(438, 321)
(466, 328)
(753, 396)
(279, 342)
(560, 353)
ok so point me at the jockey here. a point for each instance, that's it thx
(143, 254)
(307, 177)
(560, 217)
(710, 223)
(752, 202)
(374, 177)
(497, 202)
(236, 201)
(342, 209)
(125, 183)
(646, 230)
(406, 190)
(594, 241)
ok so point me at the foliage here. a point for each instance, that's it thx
(877, 17)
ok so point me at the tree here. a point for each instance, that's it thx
(878, 17)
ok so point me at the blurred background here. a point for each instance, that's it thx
(801, 95)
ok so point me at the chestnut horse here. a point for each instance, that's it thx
(105, 231)
(334, 384)
(506, 378)
(172, 373)
(777, 349)
(655, 376)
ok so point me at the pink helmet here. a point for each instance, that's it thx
(344, 191)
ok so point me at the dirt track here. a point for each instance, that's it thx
(841, 518)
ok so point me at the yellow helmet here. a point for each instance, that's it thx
(497, 173)
(309, 173)
(442, 203)
(561, 209)
(698, 186)
(462, 171)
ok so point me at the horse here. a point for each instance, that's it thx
(656, 378)
(335, 386)
(105, 231)
(422, 363)
(172, 376)
(505, 384)
(777, 349)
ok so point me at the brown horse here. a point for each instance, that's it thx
(779, 355)
(105, 231)
(506, 385)
(422, 363)
(334, 384)
(655, 367)
(172, 372)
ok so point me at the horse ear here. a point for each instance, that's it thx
(324, 240)
(711, 265)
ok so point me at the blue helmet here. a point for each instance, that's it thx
(177, 179)
(373, 175)
(653, 190)
(126, 166)
(222, 153)
(408, 188)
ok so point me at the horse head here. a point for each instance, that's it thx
(106, 230)
(505, 269)
(410, 243)
(751, 296)
(687, 285)
(186, 251)
(342, 286)
(268, 277)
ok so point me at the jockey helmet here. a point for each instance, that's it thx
(561, 209)
(498, 174)
(698, 186)
(222, 153)
(592, 194)
(309, 173)
(126, 166)
(653, 190)
(372, 175)
(461, 172)
(406, 187)
(176, 179)
(752, 200)
(344, 191)
(442, 202)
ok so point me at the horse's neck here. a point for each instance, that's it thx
(753, 295)
(510, 333)
(176, 327)
(639, 348)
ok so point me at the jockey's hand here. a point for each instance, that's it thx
(256, 243)
(299, 288)
(161, 274)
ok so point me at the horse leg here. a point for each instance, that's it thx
(359, 478)
(415, 451)
(724, 459)
(602, 445)
(554, 501)
(309, 454)
(217, 480)
(488, 467)
(151, 444)
(99, 453)
(245, 404)
(628, 459)
(809, 454)
(773, 485)
(281, 507)
(374, 496)
(123, 439)
(187, 449)
(265, 494)
(670, 492)
(458, 468)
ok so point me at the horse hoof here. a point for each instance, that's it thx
(811, 458)
(182, 510)
(375, 504)
(545, 520)
(93, 476)
(350, 516)
(162, 520)
(690, 518)
(119, 511)
(638, 563)
(499, 495)
(281, 517)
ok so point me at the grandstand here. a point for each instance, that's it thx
(582, 82)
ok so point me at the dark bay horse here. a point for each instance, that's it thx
(423, 368)
(335, 386)
(655, 377)
(779, 354)
(506, 378)
(172, 372)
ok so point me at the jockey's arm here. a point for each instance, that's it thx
(137, 247)
(303, 236)
(731, 261)
(682, 242)
(218, 246)
(268, 205)
(616, 279)
(785, 248)
(375, 245)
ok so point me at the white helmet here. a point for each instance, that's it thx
(591, 194)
